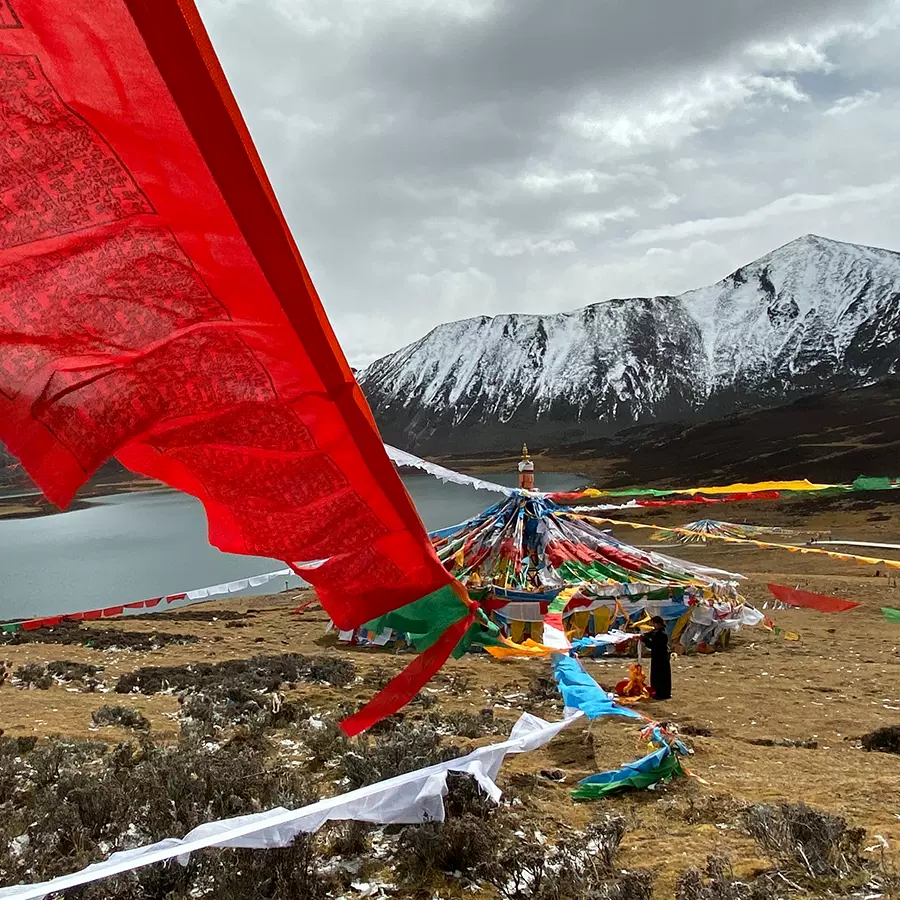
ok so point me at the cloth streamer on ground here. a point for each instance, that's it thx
(154, 307)
(891, 615)
(406, 799)
(821, 602)
(580, 691)
(742, 491)
(860, 544)
(661, 765)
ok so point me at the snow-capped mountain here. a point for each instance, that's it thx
(813, 315)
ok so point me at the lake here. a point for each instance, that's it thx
(132, 547)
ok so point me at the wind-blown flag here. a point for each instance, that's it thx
(153, 306)
(821, 602)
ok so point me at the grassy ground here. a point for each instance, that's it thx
(778, 721)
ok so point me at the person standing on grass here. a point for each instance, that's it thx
(657, 642)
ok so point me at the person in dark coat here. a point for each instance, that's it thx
(657, 642)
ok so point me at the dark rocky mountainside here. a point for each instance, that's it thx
(814, 315)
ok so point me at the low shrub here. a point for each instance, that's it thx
(34, 675)
(120, 717)
(718, 883)
(404, 748)
(74, 633)
(883, 740)
(816, 842)
(259, 673)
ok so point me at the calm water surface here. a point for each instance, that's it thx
(135, 546)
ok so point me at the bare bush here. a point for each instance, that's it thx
(65, 670)
(73, 802)
(465, 724)
(578, 868)
(403, 749)
(74, 633)
(259, 673)
(348, 839)
(718, 883)
(324, 740)
(543, 689)
(819, 843)
(120, 717)
(34, 675)
(463, 845)
(883, 740)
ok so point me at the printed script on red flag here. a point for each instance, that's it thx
(153, 306)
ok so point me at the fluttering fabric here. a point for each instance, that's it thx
(581, 691)
(760, 490)
(154, 307)
(406, 799)
(194, 596)
(446, 476)
(765, 545)
(807, 599)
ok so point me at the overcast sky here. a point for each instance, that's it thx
(439, 159)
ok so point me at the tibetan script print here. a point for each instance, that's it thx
(94, 411)
(106, 296)
(329, 527)
(57, 175)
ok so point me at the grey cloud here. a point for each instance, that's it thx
(433, 166)
(531, 46)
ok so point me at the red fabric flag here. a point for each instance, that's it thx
(153, 306)
(821, 602)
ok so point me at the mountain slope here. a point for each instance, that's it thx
(830, 437)
(813, 315)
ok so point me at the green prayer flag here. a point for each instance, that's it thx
(866, 483)
(668, 769)
(426, 619)
(892, 615)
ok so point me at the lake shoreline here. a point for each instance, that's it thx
(144, 541)
(15, 507)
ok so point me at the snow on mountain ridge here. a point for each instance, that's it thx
(812, 314)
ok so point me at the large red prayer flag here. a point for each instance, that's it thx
(153, 306)
(821, 602)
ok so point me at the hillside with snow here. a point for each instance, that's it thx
(813, 315)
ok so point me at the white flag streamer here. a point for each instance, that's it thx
(404, 800)
(232, 587)
(402, 458)
(604, 507)
(856, 544)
